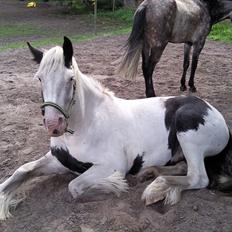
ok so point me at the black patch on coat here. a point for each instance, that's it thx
(183, 114)
(68, 52)
(137, 165)
(68, 161)
(220, 165)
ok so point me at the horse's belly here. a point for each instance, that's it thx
(186, 21)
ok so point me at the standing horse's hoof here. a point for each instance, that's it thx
(150, 93)
(193, 89)
(183, 88)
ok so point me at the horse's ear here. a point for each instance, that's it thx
(68, 52)
(37, 54)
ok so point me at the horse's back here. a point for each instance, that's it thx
(160, 16)
(175, 20)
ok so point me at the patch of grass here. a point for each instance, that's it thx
(18, 30)
(122, 15)
(57, 41)
(116, 23)
(222, 32)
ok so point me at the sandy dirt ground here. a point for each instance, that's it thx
(48, 206)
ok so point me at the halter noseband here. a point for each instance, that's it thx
(67, 113)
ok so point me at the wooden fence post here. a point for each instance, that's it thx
(95, 17)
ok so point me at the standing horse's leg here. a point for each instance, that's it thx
(147, 69)
(150, 57)
(187, 49)
(197, 48)
(44, 166)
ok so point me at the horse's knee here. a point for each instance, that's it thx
(75, 189)
(197, 181)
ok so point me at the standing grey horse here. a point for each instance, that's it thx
(157, 22)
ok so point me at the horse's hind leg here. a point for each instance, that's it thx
(150, 57)
(44, 166)
(187, 49)
(170, 187)
(197, 48)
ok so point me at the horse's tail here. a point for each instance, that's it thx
(219, 169)
(129, 62)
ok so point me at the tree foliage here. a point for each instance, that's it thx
(102, 4)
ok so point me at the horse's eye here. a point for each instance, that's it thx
(39, 79)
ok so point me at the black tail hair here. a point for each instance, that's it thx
(129, 62)
(137, 33)
(219, 169)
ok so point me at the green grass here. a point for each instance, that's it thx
(123, 15)
(222, 32)
(56, 40)
(18, 30)
(118, 23)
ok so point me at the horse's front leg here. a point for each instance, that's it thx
(44, 166)
(99, 177)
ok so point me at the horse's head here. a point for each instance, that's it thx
(57, 78)
(220, 10)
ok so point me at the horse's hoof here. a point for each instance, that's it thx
(183, 88)
(150, 95)
(156, 191)
(193, 89)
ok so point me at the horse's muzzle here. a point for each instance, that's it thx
(55, 127)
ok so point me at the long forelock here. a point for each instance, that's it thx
(53, 59)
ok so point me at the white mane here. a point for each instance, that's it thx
(53, 59)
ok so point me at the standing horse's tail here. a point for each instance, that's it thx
(219, 169)
(129, 62)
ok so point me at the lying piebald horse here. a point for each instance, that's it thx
(101, 138)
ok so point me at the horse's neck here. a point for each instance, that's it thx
(220, 12)
(87, 99)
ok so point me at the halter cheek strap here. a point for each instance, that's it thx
(67, 113)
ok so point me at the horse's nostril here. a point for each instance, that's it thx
(55, 132)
